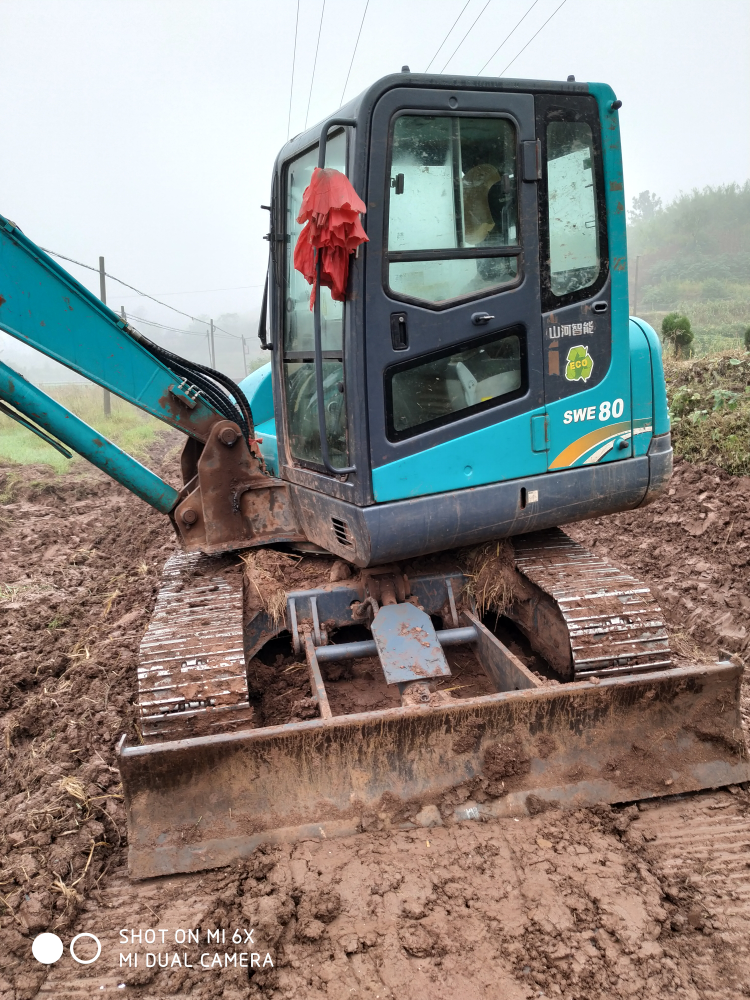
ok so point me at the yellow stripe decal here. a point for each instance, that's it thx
(579, 447)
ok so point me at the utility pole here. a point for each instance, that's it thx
(635, 290)
(244, 356)
(212, 346)
(103, 297)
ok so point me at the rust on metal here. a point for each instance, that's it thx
(612, 619)
(316, 678)
(611, 740)
(236, 504)
(191, 670)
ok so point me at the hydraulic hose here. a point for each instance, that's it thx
(214, 385)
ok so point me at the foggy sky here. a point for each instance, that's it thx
(146, 130)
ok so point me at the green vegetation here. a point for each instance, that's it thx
(709, 405)
(694, 259)
(127, 426)
(677, 333)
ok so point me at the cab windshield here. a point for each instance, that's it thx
(453, 206)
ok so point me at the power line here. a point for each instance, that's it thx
(448, 35)
(315, 61)
(467, 33)
(361, 23)
(201, 291)
(532, 38)
(169, 329)
(291, 85)
(134, 289)
(507, 37)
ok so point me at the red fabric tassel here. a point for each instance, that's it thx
(331, 209)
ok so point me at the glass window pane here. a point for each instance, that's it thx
(453, 183)
(439, 280)
(298, 319)
(573, 223)
(302, 411)
(434, 391)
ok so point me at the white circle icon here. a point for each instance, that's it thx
(47, 948)
(86, 961)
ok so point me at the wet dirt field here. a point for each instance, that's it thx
(651, 900)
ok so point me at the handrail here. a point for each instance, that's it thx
(316, 320)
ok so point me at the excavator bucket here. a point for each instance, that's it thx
(461, 728)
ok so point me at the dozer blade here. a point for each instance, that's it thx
(199, 796)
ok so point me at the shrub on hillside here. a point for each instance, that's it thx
(676, 331)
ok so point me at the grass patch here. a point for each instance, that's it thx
(709, 406)
(128, 427)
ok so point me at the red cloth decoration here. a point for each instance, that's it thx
(331, 209)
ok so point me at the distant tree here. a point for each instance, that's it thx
(676, 331)
(747, 339)
(645, 207)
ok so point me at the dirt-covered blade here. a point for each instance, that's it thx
(203, 802)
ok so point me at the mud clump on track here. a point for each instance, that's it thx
(648, 901)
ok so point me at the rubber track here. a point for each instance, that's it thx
(191, 671)
(614, 622)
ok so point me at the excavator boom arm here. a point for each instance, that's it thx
(45, 307)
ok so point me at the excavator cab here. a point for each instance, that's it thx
(417, 446)
(481, 364)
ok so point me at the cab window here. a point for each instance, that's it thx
(301, 399)
(452, 208)
(441, 387)
(573, 222)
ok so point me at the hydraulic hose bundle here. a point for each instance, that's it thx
(218, 389)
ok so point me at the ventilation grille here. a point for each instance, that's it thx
(341, 530)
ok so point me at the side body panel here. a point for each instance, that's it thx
(258, 388)
(658, 385)
(642, 390)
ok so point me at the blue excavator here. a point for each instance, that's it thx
(418, 446)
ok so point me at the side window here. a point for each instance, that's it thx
(574, 255)
(301, 398)
(434, 390)
(453, 207)
(298, 317)
(573, 223)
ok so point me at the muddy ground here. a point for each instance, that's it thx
(651, 900)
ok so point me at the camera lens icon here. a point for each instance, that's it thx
(85, 961)
(48, 948)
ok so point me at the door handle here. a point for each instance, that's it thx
(479, 319)
(532, 160)
(399, 333)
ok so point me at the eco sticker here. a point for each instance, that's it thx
(579, 364)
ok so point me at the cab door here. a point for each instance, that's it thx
(453, 312)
